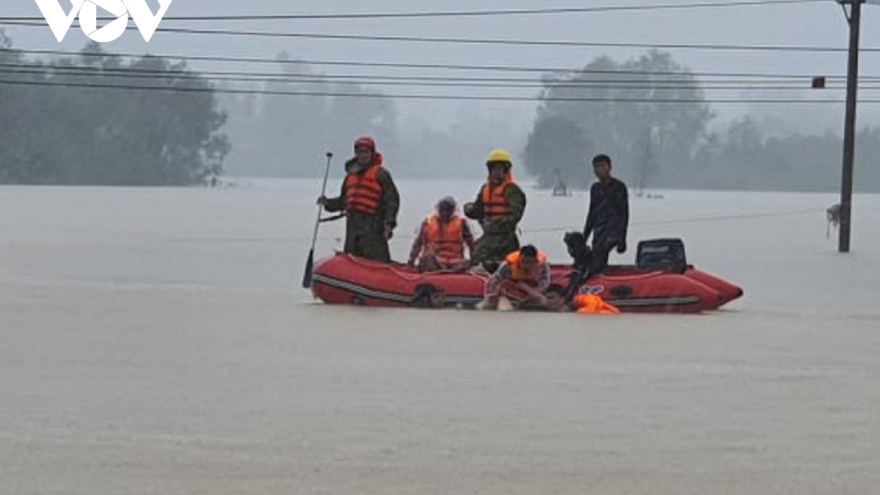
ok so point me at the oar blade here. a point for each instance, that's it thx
(307, 276)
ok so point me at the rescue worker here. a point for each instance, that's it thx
(370, 201)
(525, 271)
(499, 208)
(442, 239)
(608, 216)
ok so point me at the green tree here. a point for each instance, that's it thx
(556, 150)
(84, 120)
(623, 109)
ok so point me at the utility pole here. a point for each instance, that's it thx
(647, 162)
(849, 136)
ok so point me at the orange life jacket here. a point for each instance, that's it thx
(363, 192)
(446, 241)
(494, 199)
(591, 304)
(517, 274)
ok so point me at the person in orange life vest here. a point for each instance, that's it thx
(499, 208)
(440, 245)
(371, 203)
(528, 270)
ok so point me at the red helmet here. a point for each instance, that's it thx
(365, 141)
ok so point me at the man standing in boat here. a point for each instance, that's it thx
(370, 201)
(442, 239)
(499, 208)
(608, 216)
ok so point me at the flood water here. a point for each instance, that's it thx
(156, 341)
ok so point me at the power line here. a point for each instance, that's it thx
(361, 80)
(420, 96)
(460, 13)
(638, 77)
(716, 218)
(547, 229)
(427, 66)
(635, 82)
(131, 71)
(512, 42)
(496, 41)
(368, 82)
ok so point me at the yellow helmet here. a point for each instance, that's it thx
(500, 156)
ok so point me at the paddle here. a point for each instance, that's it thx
(307, 276)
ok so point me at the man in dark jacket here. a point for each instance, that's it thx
(370, 201)
(608, 217)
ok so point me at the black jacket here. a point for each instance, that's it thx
(608, 217)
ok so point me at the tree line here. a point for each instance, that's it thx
(661, 145)
(56, 132)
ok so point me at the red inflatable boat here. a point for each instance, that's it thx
(344, 279)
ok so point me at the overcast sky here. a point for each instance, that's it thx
(796, 24)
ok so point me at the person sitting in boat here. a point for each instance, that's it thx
(499, 208)
(442, 239)
(524, 276)
(370, 201)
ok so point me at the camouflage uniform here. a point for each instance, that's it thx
(499, 238)
(365, 234)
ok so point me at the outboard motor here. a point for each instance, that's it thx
(662, 254)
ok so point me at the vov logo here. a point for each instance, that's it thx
(60, 21)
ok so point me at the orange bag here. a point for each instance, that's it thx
(591, 304)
